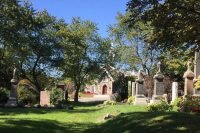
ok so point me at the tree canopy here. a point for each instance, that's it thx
(175, 23)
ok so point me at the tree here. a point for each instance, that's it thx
(131, 48)
(81, 46)
(16, 20)
(40, 55)
(28, 41)
(175, 23)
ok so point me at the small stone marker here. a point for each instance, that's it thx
(44, 98)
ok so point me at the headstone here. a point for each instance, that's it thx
(12, 101)
(158, 85)
(133, 88)
(140, 99)
(188, 76)
(174, 91)
(44, 98)
(196, 70)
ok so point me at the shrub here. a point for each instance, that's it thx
(108, 102)
(189, 103)
(131, 99)
(161, 106)
(197, 83)
(4, 95)
(176, 102)
(115, 97)
(26, 96)
(56, 95)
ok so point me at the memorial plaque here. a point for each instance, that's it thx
(159, 88)
(140, 89)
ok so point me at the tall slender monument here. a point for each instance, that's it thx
(158, 85)
(12, 101)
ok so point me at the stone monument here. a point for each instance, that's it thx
(158, 90)
(140, 99)
(45, 98)
(196, 70)
(12, 101)
(188, 76)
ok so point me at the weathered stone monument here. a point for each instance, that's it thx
(188, 76)
(12, 101)
(140, 99)
(196, 70)
(158, 85)
(44, 98)
(174, 91)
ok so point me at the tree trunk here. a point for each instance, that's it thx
(76, 95)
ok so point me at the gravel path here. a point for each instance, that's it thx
(95, 98)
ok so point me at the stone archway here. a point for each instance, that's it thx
(104, 89)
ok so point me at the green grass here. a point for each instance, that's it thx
(88, 118)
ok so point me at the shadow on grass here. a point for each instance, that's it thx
(142, 122)
(41, 126)
(85, 104)
(17, 111)
(86, 109)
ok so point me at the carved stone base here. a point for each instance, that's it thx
(140, 100)
(12, 102)
(156, 99)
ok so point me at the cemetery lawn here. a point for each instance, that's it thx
(88, 118)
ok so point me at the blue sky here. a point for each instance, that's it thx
(102, 12)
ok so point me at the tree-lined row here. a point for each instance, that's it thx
(40, 45)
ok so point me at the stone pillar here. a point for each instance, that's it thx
(196, 65)
(196, 70)
(174, 91)
(129, 88)
(12, 101)
(133, 88)
(140, 99)
(188, 76)
(158, 85)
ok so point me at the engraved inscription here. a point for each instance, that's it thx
(159, 88)
(140, 89)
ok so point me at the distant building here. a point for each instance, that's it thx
(103, 87)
